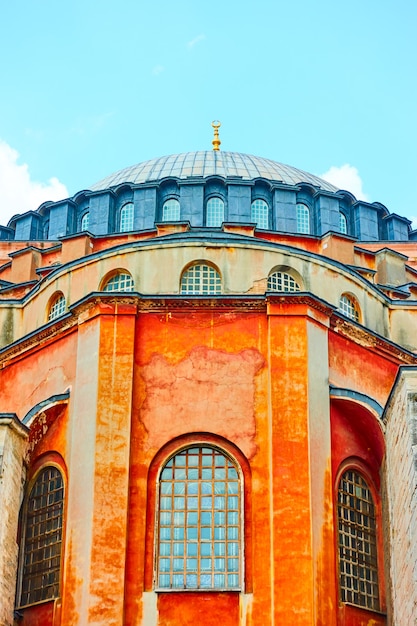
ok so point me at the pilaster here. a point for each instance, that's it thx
(13, 438)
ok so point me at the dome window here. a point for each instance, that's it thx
(282, 281)
(126, 218)
(171, 211)
(85, 221)
(303, 219)
(215, 212)
(57, 307)
(201, 279)
(349, 307)
(342, 223)
(122, 281)
(259, 213)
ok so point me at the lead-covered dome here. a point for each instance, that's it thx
(211, 163)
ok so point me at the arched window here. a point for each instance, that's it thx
(57, 307)
(171, 211)
(122, 281)
(342, 223)
(201, 279)
(199, 522)
(358, 566)
(260, 213)
(126, 217)
(303, 219)
(215, 212)
(42, 538)
(85, 221)
(349, 307)
(281, 281)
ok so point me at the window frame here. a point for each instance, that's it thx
(343, 220)
(208, 203)
(348, 297)
(85, 217)
(283, 273)
(165, 206)
(241, 540)
(58, 296)
(303, 219)
(112, 276)
(356, 465)
(151, 537)
(127, 206)
(207, 294)
(38, 468)
(265, 205)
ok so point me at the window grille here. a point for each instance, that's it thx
(201, 279)
(41, 552)
(119, 282)
(342, 223)
(85, 221)
(281, 281)
(199, 530)
(303, 219)
(171, 211)
(126, 217)
(349, 307)
(260, 213)
(215, 212)
(358, 569)
(58, 307)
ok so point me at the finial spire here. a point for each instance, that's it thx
(216, 141)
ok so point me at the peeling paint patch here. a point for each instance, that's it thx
(209, 390)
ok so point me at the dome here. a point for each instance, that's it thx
(211, 163)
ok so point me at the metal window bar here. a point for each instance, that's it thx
(171, 211)
(43, 537)
(349, 308)
(215, 212)
(120, 282)
(281, 281)
(358, 567)
(201, 280)
(260, 213)
(199, 533)
(303, 219)
(126, 217)
(58, 308)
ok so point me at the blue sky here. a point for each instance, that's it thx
(88, 88)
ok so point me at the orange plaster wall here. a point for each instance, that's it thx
(196, 373)
(354, 367)
(208, 609)
(53, 369)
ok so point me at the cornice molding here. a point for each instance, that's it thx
(367, 339)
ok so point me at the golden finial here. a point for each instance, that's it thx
(216, 141)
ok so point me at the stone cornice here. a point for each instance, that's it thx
(99, 303)
(368, 339)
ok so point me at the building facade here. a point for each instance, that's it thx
(208, 396)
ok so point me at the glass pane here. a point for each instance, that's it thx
(195, 515)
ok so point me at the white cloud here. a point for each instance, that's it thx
(18, 192)
(158, 69)
(346, 177)
(196, 40)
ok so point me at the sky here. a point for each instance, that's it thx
(90, 87)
